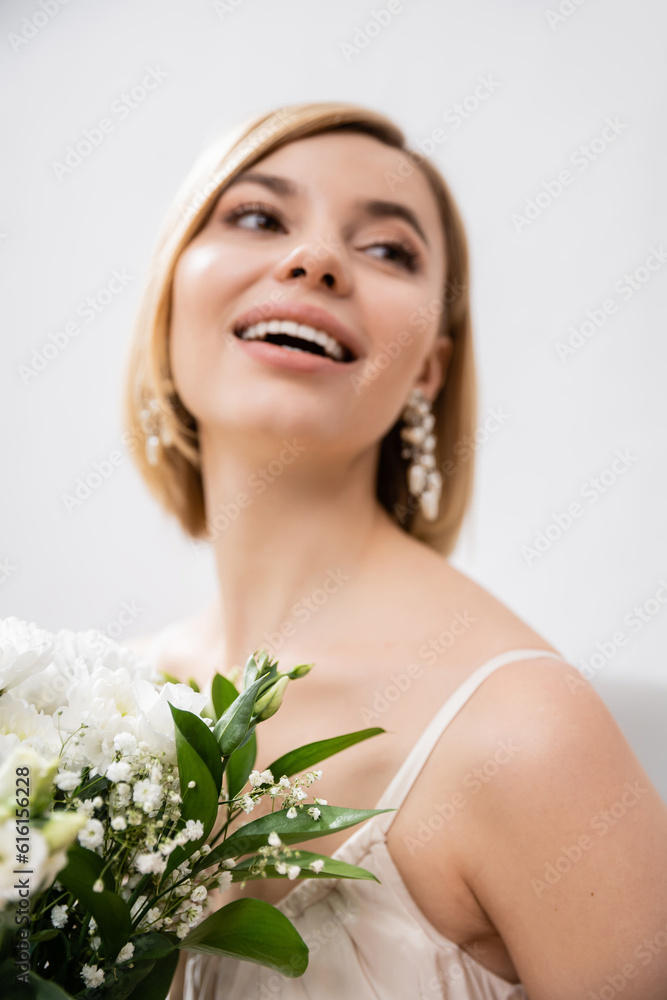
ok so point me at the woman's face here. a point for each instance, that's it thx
(336, 233)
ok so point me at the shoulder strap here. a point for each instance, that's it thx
(403, 780)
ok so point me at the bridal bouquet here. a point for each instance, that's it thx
(118, 792)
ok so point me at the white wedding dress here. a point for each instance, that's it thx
(366, 940)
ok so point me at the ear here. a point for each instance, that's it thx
(436, 363)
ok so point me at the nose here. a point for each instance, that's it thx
(316, 263)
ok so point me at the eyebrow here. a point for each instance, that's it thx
(377, 208)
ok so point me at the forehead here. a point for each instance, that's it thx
(349, 167)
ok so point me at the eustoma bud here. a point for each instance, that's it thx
(300, 671)
(269, 703)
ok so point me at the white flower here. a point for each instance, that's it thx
(194, 913)
(182, 929)
(22, 723)
(321, 802)
(92, 976)
(41, 770)
(314, 812)
(24, 650)
(224, 881)
(247, 804)
(92, 834)
(98, 885)
(59, 916)
(150, 863)
(118, 823)
(293, 871)
(317, 865)
(194, 829)
(125, 742)
(274, 839)
(228, 863)
(125, 953)
(280, 867)
(292, 813)
(153, 917)
(198, 894)
(318, 773)
(300, 794)
(119, 770)
(148, 795)
(284, 782)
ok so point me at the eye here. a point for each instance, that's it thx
(242, 213)
(400, 252)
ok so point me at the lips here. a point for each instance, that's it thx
(308, 315)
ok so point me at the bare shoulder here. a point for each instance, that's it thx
(494, 626)
(564, 828)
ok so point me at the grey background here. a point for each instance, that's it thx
(555, 80)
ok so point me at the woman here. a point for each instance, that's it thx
(302, 380)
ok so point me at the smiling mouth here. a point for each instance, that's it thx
(297, 337)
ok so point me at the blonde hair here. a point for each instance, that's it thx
(176, 480)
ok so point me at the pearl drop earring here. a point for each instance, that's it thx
(156, 430)
(424, 480)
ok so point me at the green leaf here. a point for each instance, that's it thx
(96, 786)
(157, 985)
(240, 764)
(140, 976)
(291, 831)
(250, 671)
(311, 753)
(112, 914)
(43, 989)
(231, 727)
(193, 730)
(200, 802)
(223, 693)
(332, 868)
(252, 930)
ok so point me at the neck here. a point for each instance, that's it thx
(291, 532)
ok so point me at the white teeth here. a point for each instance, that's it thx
(327, 342)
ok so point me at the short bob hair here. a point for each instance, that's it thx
(176, 479)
